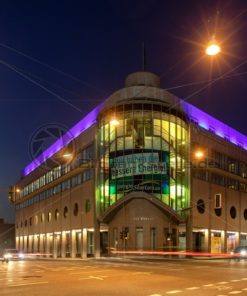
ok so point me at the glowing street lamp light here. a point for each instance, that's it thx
(67, 155)
(213, 48)
(114, 122)
(199, 154)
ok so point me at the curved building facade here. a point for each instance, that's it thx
(149, 172)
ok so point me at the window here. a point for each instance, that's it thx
(65, 212)
(36, 220)
(88, 153)
(233, 212)
(232, 184)
(42, 218)
(217, 201)
(153, 238)
(66, 185)
(87, 206)
(56, 214)
(87, 175)
(49, 217)
(200, 206)
(245, 214)
(218, 179)
(76, 209)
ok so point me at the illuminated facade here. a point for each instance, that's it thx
(149, 172)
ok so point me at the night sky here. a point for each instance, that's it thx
(81, 51)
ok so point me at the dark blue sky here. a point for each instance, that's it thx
(97, 43)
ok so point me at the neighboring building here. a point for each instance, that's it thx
(149, 172)
(7, 235)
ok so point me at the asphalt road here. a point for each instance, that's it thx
(124, 277)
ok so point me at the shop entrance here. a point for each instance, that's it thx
(104, 243)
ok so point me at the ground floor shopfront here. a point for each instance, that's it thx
(81, 242)
(217, 241)
(74, 243)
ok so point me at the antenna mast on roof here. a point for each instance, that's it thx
(144, 58)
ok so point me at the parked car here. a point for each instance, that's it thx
(12, 254)
(240, 252)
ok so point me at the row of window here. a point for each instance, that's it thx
(220, 180)
(45, 179)
(70, 183)
(200, 205)
(56, 215)
(229, 164)
(84, 155)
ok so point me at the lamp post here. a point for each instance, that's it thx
(13, 192)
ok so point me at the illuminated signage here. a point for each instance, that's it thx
(147, 171)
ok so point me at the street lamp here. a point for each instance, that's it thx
(13, 192)
(199, 154)
(67, 155)
(213, 48)
(114, 122)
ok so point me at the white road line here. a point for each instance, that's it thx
(222, 283)
(208, 285)
(234, 281)
(174, 292)
(235, 292)
(155, 295)
(91, 277)
(192, 288)
(27, 284)
(245, 289)
(142, 273)
(244, 279)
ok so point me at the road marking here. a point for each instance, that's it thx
(235, 281)
(91, 277)
(142, 273)
(155, 295)
(192, 288)
(245, 289)
(85, 271)
(244, 279)
(222, 283)
(235, 292)
(208, 285)
(174, 292)
(27, 284)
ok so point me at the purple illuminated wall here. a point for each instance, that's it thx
(196, 115)
(74, 132)
(214, 125)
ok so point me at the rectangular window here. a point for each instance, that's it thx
(139, 238)
(87, 175)
(129, 127)
(153, 238)
(217, 201)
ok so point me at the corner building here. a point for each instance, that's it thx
(148, 171)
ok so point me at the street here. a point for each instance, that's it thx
(106, 277)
